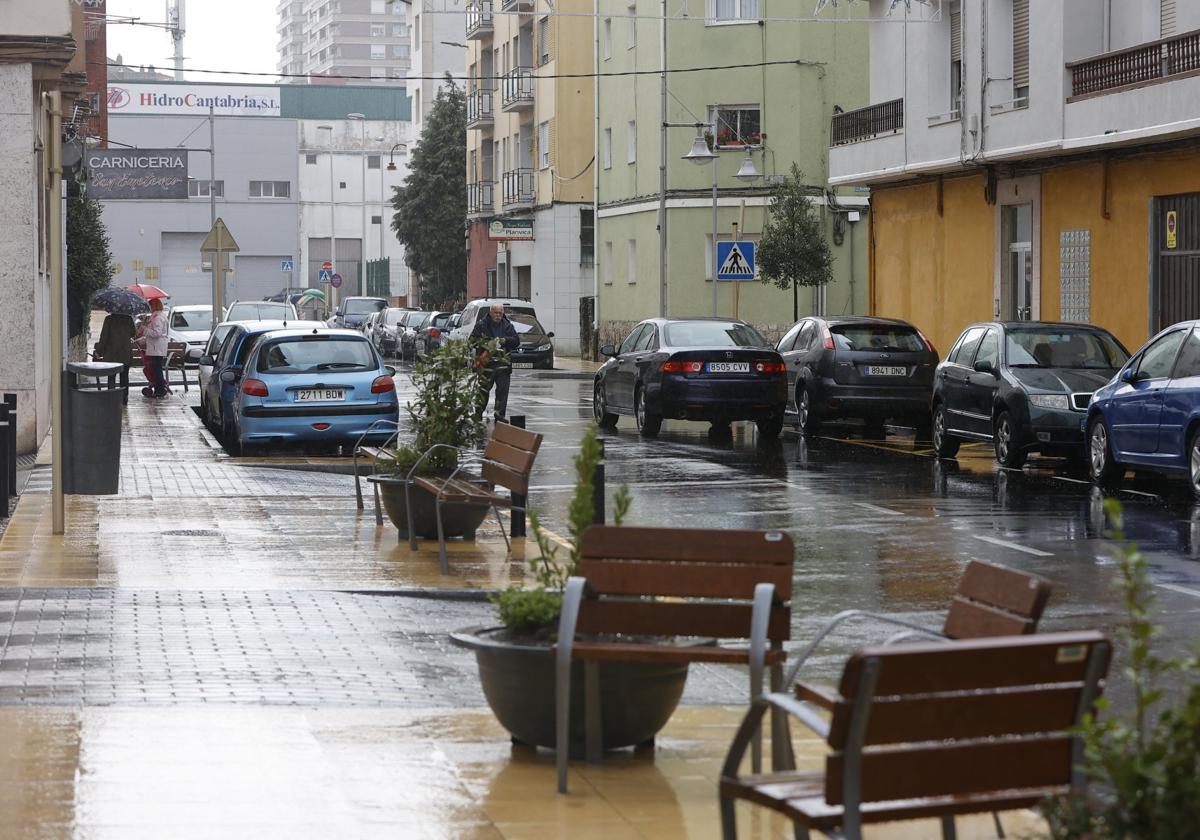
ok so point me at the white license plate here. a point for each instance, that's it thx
(886, 370)
(522, 364)
(728, 367)
(321, 395)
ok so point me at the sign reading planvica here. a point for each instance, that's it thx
(137, 173)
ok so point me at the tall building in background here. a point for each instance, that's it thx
(368, 39)
(530, 156)
(437, 49)
(93, 121)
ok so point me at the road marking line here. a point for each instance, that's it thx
(1005, 544)
(866, 445)
(1071, 480)
(1140, 493)
(1174, 587)
(878, 509)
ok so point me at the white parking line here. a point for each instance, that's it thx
(1014, 546)
(878, 509)
(1195, 593)
(1141, 493)
(1071, 480)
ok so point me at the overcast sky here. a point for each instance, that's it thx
(220, 35)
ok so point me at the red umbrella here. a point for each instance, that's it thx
(148, 292)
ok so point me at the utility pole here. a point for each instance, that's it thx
(218, 282)
(57, 308)
(662, 165)
(175, 23)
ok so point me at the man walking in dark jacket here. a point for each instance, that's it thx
(495, 326)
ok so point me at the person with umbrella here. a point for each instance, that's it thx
(154, 337)
(116, 336)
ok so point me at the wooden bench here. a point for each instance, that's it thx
(656, 584)
(176, 359)
(375, 455)
(933, 730)
(507, 461)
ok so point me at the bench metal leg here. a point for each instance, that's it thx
(728, 819)
(357, 481)
(999, 825)
(412, 531)
(378, 508)
(594, 712)
(948, 831)
(781, 741)
(503, 533)
(441, 539)
(562, 719)
(800, 832)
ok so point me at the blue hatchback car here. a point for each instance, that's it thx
(1148, 416)
(310, 386)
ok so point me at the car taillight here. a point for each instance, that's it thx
(383, 384)
(826, 337)
(255, 388)
(770, 367)
(434, 332)
(928, 343)
(682, 367)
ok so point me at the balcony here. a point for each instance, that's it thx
(1136, 66)
(479, 20)
(479, 109)
(517, 189)
(480, 201)
(516, 5)
(517, 89)
(867, 123)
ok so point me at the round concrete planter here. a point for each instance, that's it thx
(457, 520)
(637, 698)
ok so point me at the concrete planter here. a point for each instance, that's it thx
(637, 698)
(457, 520)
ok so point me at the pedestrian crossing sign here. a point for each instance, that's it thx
(324, 276)
(735, 261)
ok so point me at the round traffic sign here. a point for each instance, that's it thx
(327, 265)
(336, 281)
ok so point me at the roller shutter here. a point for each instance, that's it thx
(956, 32)
(1166, 18)
(1020, 43)
(180, 272)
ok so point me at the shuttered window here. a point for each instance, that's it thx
(956, 32)
(1020, 48)
(1166, 18)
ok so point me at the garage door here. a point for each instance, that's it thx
(180, 271)
(255, 278)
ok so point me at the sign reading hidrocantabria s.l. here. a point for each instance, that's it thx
(501, 230)
(137, 173)
(173, 98)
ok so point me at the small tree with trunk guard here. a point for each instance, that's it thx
(794, 251)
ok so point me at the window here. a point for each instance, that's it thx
(607, 148)
(311, 160)
(606, 40)
(399, 30)
(401, 50)
(732, 11)
(807, 333)
(1159, 357)
(270, 189)
(608, 258)
(632, 276)
(956, 62)
(735, 126)
(416, 28)
(587, 236)
(378, 30)
(377, 220)
(372, 161)
(964, 354)
(378, 51)
(631, 137)
(544, 145)
(989, 349)
(199, 189)
(1189, 360)
(632, 20)
(1020, 49)
(648, 339)
(788, 342)
(633, 338)
(378, 7)
(544, 41)
(379, 72)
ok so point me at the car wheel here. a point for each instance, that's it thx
(1004, 439)
(1194, 463)
(1101, 465)
(806, 417)
(604, 418)
(233, 442)
(769, 428)
(943, 444)
(648, 423)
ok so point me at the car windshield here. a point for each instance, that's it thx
(713, 334)
(523, 323)
(218, 337)
(394, 317)
(881, 337)
(259, 311)
(363, 306)
(196, 319)
(1063, 348)
(307, 354)
(415, 318)
(442, 319)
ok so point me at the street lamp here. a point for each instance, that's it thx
(700, 154)
(331, 302)
(383, 203)
(391, 167)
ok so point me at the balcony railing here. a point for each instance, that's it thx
(865, 123)
(479, 20)
(517, 89)
(480, 200)
(479, 109)
(516, 5)
(1136, 65)
(517, 188)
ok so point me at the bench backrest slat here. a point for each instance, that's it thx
(699, 545)
(996, 601)
(685, 579)
(509, 456)
(517, 482)
(677, 618)
(972, 620)
(516, 437)
(518, 460)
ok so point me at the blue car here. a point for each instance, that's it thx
(216, 395)
(311, 386)
(1148, 416)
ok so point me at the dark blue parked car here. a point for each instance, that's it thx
(217, 396)
(1148, 416)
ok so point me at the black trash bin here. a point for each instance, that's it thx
(92, 404)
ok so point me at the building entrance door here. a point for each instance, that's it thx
(1016, 282)
(1177, 284)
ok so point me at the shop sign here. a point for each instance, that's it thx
(1172, 228)
(173, 98)
(137, 173)
(510, 230)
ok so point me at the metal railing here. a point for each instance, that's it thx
(1136, 65)
(517, 87)
(479, 19)
(517, 188)
(516, 5)
(868, 122)
(480, 200)
(479, 108)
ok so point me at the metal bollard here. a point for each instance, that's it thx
(10, 401)
(598, 489)
(517, 528)
(6, 489)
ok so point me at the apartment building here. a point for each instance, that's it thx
(768, 106)
(1031, 160)
(367, 39)
(530, 156)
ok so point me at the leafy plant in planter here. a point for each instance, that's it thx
(534, 612)
(1145, 769)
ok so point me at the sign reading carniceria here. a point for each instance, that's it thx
(137, 173)
(174, 98)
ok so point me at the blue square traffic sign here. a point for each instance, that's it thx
(735, 260)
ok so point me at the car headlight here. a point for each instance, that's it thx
(1060, 402)
(541, 348)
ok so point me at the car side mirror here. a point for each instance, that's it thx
(1129, 375)
(608, 350)
(550, 335)
(391, 371)
(228, 377)
(207, 360)
(984, 366)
